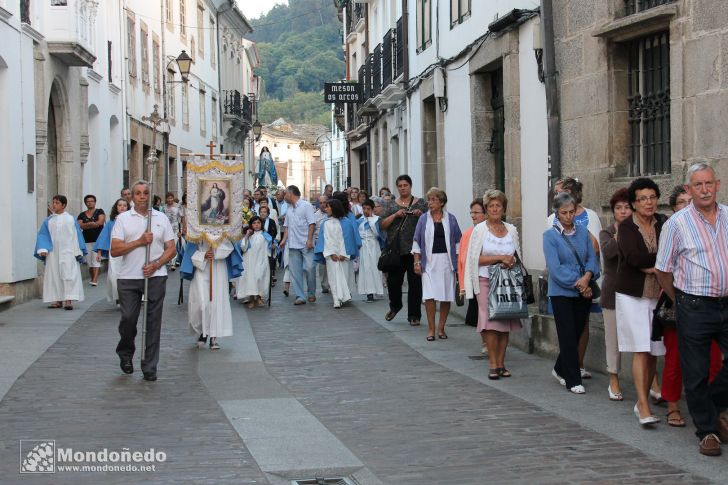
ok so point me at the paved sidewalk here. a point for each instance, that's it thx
(310, 391)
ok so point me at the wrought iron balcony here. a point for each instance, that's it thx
(376, 70)
(237, 105)
(388, 57)
(25, 11)
(636, 6)
(354, 13)
(399, 48)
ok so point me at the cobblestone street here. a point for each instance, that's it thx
(317, 392)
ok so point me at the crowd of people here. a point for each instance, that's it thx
(660, 283)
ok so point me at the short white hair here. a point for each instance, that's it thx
(139, 182)
(697, 167)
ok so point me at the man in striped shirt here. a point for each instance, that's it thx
(692, 268)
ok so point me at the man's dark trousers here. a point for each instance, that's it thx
(130, 301)
(701, 320)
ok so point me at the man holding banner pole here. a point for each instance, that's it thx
(130, 239)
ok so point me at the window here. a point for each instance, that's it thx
(634, 6)
(213, 51)
(424, 24)
(168, 11)
(144, 40)
(213, 114)
(201, 29)
(183, 18)
(459, 11)
(156, 67)
(185, 106)
(170, 98)
(203, 114)
(193, 51)
(649, 104)
(131, 46)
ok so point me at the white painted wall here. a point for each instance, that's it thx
(202, 74)
(534, 151)
(17, 139)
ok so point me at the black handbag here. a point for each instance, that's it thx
(390, 260)
(527, 282)
(596, 291)
(664, 312)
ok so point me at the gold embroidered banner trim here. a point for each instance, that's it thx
(216, 164)
(214, 243)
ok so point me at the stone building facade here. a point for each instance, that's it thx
(643, 90)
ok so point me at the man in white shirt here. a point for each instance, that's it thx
(320, 216)
(129, 239)
(299, 227)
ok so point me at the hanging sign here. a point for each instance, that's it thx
(342, 92)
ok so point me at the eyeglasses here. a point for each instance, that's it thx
(646, 198)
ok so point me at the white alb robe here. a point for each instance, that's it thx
(337, 271)
(370, 278)
(255, 279)
(211, 318)
(62, 278)
(112, 273)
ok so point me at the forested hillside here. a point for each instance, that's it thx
(300, 49)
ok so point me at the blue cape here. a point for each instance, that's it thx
(352, 241)
(103, 243)
(382, 237)
(269, 240)
(234, 262)
(44, 241)
(355, 227)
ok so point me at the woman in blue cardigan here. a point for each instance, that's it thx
(434, 248)
(569, 291)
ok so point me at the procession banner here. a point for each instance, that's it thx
(214, 199)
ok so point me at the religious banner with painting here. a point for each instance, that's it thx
(214, 199)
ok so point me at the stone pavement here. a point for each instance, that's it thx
(312, 391)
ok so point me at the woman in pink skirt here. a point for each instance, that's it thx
(492, 242)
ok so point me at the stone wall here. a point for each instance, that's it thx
(592, 61)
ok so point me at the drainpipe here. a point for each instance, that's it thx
(553, 105)
(405, 37)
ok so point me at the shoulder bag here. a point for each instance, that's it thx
(596, 291)
(390, 259)
(527, 282)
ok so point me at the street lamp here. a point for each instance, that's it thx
(184, 63)
(257, 128)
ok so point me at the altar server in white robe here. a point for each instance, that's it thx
(370, 231)
(337, 247)
(61, 247)
(102, 248)
(254, 283)
(211, 318)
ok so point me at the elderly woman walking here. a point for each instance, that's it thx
(492, 242)
(435, 244)
(572, 266)
(610, 256)
(637, 290)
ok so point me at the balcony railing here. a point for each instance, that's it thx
(25, 11)
(635, 6)
(235, 104)
(354, 13)
(388, 57)
(399, 49)
(376, 60)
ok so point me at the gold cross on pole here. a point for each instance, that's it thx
(211, 146)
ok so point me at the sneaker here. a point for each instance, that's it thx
(213, 344)
(585, 374)
(92, 283)
(172, 268)
(370, 298)
(577, 389)
(710, 445)
(561, 380)
(484, 350)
